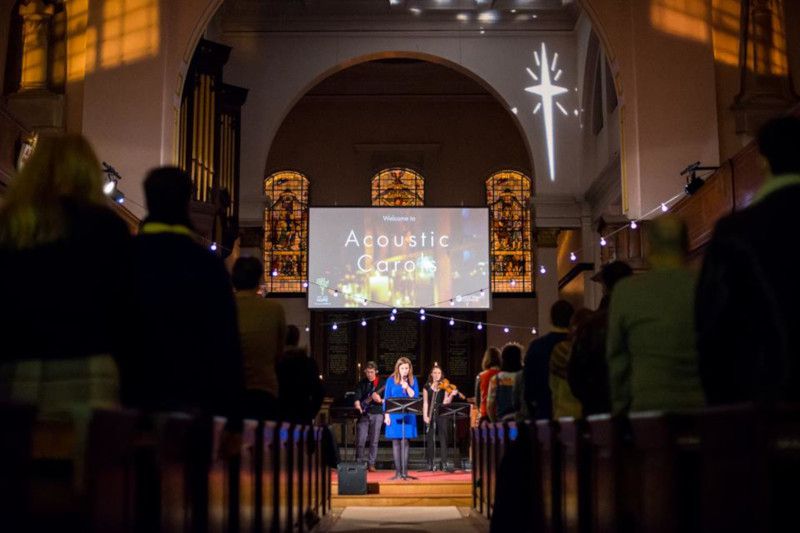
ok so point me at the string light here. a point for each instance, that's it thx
(305, 284)
(452, 322)
(480, 326)
(452, 302)
(513, 283)
(664, 208)
(542, 269)
(213, 247)
(363, 322)
(422, 311)
(506, 330)
(533, 331)
(422, 317)
(307, 328)
(335, 326)
(634, 225)
(391, 317)
(603, 241)
(394, 311)
(573, 257)
(274, 273)
(335, 293)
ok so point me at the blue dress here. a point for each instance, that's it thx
(395, 429)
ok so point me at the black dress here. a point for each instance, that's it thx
(435, 400)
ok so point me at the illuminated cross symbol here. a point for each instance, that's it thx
(547, 91)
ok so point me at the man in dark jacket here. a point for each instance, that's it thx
(184, 349)
(536, 370)
(748, 322)
(369, 400)
(587, 370)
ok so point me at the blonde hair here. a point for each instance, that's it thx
(396, 373)
(62, 167)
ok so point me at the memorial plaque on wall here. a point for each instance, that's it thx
(463, 347)
(398, 338)
(340, 354)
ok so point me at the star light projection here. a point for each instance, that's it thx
(548, 92)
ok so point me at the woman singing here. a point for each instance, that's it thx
(399, 427)
(434, 395)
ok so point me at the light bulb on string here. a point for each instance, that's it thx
(533, 331)
(274, 273)
(664, 208)
(422, 311)
(307, 328)
(363, 322)
(335, 326)
(603, 241)
(213, 247)
(391, 317)
(505, 329)
(482, 291)
(422, 317)
(305, 284)
(573, 257)
(452, 322)
(452, 302)
(634, 225)
(542, 270)
(480, 326)
(513, 283)
(335, 293)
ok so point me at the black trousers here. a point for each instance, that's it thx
(442, 431)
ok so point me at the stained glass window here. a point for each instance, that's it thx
(286, 232)
(398, 187)
(508, 194)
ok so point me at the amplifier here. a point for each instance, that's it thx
(352, 478)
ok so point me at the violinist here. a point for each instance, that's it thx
(437, 392)
(369, 404)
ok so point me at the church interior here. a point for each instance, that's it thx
(413, 265)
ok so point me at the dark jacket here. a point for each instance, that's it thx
(184, 342)
(300, 389)
(587, 370)
(747, 318)
(536, 374)
(68, 298)
(364, 390)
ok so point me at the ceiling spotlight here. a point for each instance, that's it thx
(109, 187)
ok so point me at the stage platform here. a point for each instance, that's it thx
(431, 489)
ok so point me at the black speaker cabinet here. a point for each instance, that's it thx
(352, 478)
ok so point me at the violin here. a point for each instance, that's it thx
(449, 388)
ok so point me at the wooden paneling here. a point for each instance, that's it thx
(702, 210)
(748, 175)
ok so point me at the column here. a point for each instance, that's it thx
(546, 284)
(36, 17)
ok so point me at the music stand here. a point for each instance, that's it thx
(456, 411)
(404, 406)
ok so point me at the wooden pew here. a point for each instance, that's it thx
(476, 453)
(662, 477)
(311, 455)
(486, 462)
(283, 472)
(550, 464)
(268, 491)
(607, 487)
(298, 467)
(248, 479)
(575, 476)
(18, 423)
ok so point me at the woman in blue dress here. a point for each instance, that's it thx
(400, 428)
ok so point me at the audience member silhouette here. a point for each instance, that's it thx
(564, 402)
(299, 382)
(651, 353)
(184, 349)
(587, 370)
(64, 258)
(536, 394)
(748, 321)
(490, 366)
(500, 400)
(262, 329)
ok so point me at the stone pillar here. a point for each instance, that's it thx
(547, 283)
(36, 17)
